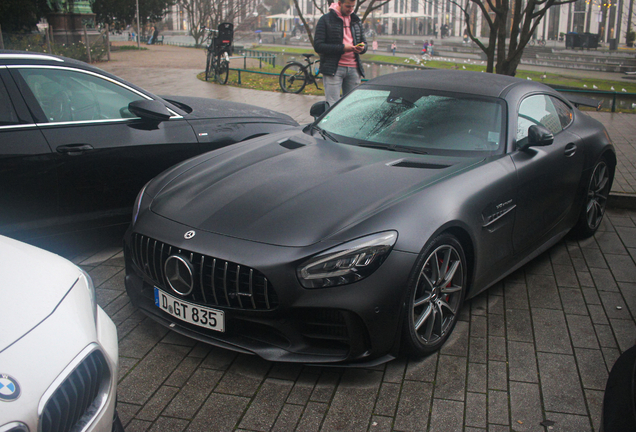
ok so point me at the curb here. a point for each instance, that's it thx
(622, 201)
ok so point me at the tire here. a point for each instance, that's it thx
(292, 78)
(209, 66)
(596, 195)
(435, 295)
(223, 72)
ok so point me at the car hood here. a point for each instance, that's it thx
(295, 191)
(205, 108)
(33, 284)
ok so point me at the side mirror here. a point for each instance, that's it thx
(149, 110)
(538, 136)
(318, 109)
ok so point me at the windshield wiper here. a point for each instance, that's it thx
(323, 133)
(397, 148)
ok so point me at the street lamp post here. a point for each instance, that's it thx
(138, 28)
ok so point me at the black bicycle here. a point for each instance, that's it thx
(539, 42)
(295, 76)
(217, 63)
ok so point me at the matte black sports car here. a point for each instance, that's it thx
(365, 231)
(77, 143)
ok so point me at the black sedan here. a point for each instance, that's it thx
(77, 143)
(364, 232)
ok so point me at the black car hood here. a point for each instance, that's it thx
(295, 192)
(205, 108)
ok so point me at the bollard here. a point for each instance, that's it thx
(239, 76)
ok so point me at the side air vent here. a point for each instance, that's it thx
(291, 145)
(417, 164)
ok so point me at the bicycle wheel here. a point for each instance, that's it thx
(209, 66)
(293, 78)
(222, 72)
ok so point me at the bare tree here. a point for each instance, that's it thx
(208, 14)
(510, 24)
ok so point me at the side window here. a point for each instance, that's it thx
(66, 95)
(8, 115)
(563, 111)
(537, 109)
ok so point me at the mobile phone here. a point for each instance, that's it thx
(361, 44)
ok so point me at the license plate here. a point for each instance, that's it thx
(209, 318)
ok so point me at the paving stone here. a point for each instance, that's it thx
(200, 350)
(142, 339)
(193, 394)
(622, 267)
(604, 280)
(138, 426)
(496, 290)
(497, 349)
(125, 365)
(569, 423)
(610, 243)
(543, 292)
(265, 407)
(169, 424)
(381, 424)
(106, 296)
(181, 374)
(594, 400)
(288, 418)
(457, 342)
(103, 273)
(525, 407)
(142, 381)
(627, 235)
(285, 371)
(629, 294)
(422, 369)
(219, 413)
(560, 255)
(519, 325)
(244, 377)
(495, 302)
(516, 295)
(447, 415)
(451, 378)
(621, 222)
(625, 332)
(478, 350)
(594, 258)
(478, 326)
(591, 296)
(585, 278)
(572, 301)
(303, 387)
(352, 405)
(153, 408)
(479, 304)
(387, 399)
(325, 387)
(497, 376)
(129, 324)
(550, 331)
(582, 331)
(312, 417)
(219, 359)
(476, 410)
(539, 266)
(496, 325)
(178, 339)
(597, 314)
(605, 336)
(522, 362)
(610, 355)
(127, 412)
(394, 370)
(612, 302)
(498, 407)
(414, 406)
(498, 428)
(560, 384)
(477, 378)
(101, 256)
(592, 369)
(565, 276)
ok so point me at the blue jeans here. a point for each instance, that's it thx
(345, 79)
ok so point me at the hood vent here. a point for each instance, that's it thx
(418, 164)
(291, 145)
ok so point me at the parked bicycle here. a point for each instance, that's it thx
(217, 63)
(539, 42)
(295, 76)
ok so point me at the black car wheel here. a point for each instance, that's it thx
(436, 294)
(596, 196)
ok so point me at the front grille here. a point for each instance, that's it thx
(325, 324)
(216, 282)
(76, 399)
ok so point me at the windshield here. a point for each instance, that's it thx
(425, 121)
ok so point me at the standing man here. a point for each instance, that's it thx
(340, 40)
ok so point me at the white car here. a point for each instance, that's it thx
(58, 348)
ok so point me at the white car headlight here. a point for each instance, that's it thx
(347, 263)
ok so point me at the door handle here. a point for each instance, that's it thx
(74, 149)
(570, 149)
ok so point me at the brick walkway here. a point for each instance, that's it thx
(536, 347)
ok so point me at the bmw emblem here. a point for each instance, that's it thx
(189, 235)
(9, 388)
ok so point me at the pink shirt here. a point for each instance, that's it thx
(347, 59)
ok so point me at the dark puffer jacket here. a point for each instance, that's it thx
(328, 41)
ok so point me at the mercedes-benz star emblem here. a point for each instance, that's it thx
(189, 235)
(179, 274)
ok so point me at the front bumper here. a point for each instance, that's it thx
(357, 323)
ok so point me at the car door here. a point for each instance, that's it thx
(27, 170)
(103, 153)
(549, 176)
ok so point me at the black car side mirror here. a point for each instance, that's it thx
(149, 110)
(538, 136)
(318, 109)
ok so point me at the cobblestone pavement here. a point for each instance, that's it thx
(537, 346)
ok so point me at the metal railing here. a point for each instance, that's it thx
(613, 96)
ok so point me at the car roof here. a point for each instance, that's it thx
(8, 57)
(476, 83)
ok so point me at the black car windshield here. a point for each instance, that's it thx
(427, 122)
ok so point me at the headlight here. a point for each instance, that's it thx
(348, 262)
(137, 205)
